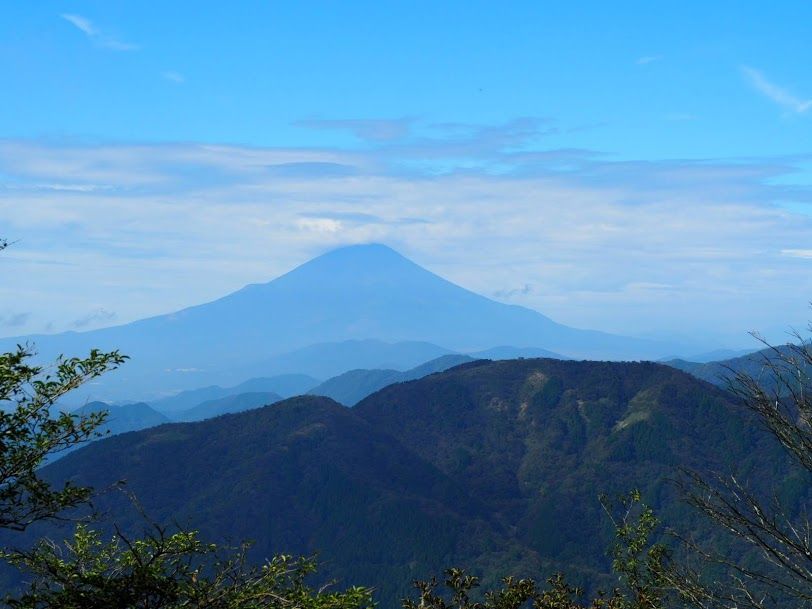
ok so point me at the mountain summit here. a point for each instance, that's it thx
(352, 293)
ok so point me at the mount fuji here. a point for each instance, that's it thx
(358, 293)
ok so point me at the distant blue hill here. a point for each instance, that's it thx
(124, 418)
(285, 385)
(353, 293)
(324, 360)
(505, 352)
(227, 405)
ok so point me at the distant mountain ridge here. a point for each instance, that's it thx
(352, 293)
(227, 405)
(351, 387)
(323, 360)
(286, 385)
(754, 364)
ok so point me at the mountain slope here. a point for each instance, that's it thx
(302, 475)
(120, 419)
(439, 364)
(124, 418)
(537, 440)
(351, 387)
(354, 293)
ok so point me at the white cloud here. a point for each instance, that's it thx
(693, 247)
(797, 253)
(319, 225)
(774, 92)
(85, 25)
(80, 22)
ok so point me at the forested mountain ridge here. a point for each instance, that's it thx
(286, 385)
(491, 465)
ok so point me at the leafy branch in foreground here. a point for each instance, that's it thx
(163, 570)
(29, 432)
(639, 564)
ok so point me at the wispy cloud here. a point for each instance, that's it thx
(81, 23)
(320, 225)
(174, 77)
(14, 320)
(798, 253)
(647, 59)
(98, 37)
(97, 317)
(413, 142)
(509, 293)
(375, 130)
(776, 93)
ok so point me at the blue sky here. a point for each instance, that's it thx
(641, 168)
(627, 78)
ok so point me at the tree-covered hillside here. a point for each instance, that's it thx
(304, 475)
(492, 465)
(537, 440)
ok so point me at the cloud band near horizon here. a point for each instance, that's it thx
(705, 249)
